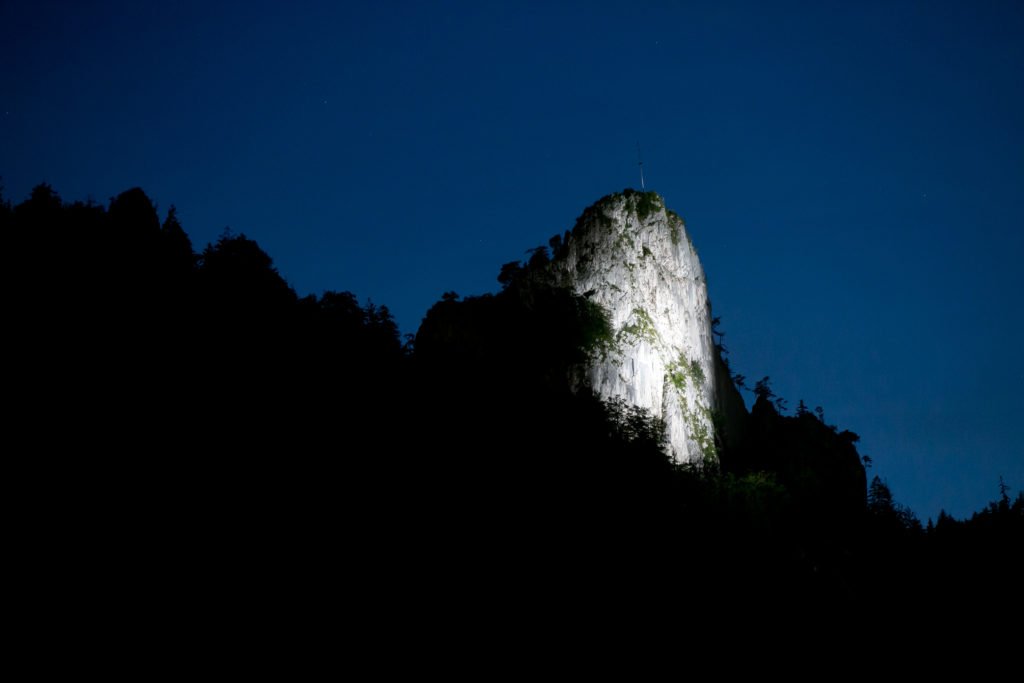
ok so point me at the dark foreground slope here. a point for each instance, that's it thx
(199, 436)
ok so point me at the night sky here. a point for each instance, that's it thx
(852, 173)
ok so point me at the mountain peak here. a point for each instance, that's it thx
(632, 255)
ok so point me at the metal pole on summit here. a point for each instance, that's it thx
(640, 162)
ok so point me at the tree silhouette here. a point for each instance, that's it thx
(1004, 490)
(238, 279)
(763, 389)
(176, 248)
(510, 272)
(719, 336)
(880, 500)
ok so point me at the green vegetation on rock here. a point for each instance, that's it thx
(683, 369)
(677, 378)
(648, 203)
(697, 373)
(676, 225)
(641, 328)
(697, 421)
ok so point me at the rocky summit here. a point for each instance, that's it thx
(633, 256)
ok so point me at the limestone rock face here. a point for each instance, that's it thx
(632, 256)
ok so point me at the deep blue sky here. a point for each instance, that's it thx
(852, 173)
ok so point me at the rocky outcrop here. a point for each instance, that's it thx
(633, 256)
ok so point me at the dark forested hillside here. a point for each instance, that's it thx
(181, 407)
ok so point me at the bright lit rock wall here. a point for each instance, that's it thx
(633, 257)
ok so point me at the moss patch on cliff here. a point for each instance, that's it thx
(642, 327)
(677, 378)
(698, 421)
(648, 203)
(598, 336)
(697, 373)
(624, 240)
(642, 203)
(676, 225)
(682, 370)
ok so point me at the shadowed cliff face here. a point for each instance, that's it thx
(634, 258)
